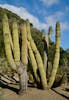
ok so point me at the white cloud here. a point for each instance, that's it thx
(23, 13)
(49, 20)
(64, 26)
(50, 2)
(58, 16)
(53, 18)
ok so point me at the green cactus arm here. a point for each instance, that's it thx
(33, 62)
(24, 50)
(56, 57)
(8, 29)
(37, 56)
(11, 43)
(16, 48)
(6, 32)
(24, 55)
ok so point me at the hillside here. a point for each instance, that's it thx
(10, 16)
(37, 35)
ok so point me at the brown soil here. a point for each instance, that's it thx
(59, 93)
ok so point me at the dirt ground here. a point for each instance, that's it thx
(59, 93)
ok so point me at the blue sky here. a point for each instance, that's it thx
(43, 13)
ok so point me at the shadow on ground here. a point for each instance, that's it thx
(8, 87)
(67, 97)
(66, 89)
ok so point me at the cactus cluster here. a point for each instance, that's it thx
(37, 57)
(12, 50)
(18, 59)
(7, 38)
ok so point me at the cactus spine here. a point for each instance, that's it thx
(6, 34)
(37, 56)
(16, 49)
(56, 57)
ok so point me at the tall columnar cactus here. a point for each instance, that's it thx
(34, 63)
(7, 42)
(21, 69)
(56, 57)
(34, 55)
(37, 56)
(16, 49)
(23, 66)
(24, 52)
